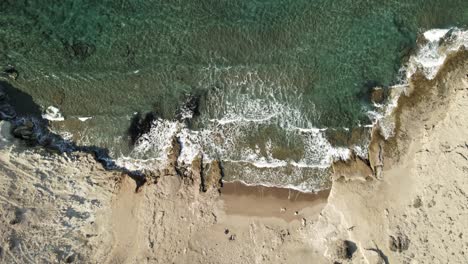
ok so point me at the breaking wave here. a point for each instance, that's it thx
(243, 128)
(226, 129)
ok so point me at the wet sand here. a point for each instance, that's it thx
(262, 201)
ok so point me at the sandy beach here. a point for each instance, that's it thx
(261, 201)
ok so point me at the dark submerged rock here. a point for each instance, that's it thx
(11, 72)
(80, 50)
(366, 90)
(22, 103)
(141, 125)
(343, 137)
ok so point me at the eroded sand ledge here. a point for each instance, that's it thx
(68, 209)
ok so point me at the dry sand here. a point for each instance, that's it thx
(59, 209)
(261, 201)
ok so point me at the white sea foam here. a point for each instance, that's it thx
(220, 140)
(83, 119)
(157, 142)
(252, 102)
(263, 163)
(190, 145)
(431, 56)
(223, 138)
(140, 164)
(303, 187)
(52, 113)
(435, 34)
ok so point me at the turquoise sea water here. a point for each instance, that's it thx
(267, 72)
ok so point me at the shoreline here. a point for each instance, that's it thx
(405, 203)
(271, 201)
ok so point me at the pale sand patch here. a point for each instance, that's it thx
(123, 222)
(261, 201)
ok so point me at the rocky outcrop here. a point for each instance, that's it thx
(376, 153)
(25, 131)
(27, 124)
(414, 211)
(354, 168)
(212, 176)
(378, 95)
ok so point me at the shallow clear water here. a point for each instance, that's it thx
(269, 73)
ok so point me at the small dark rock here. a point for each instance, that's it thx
(13, 242)
(351, 248)
(232, 238)
(417, 202)
(80, 50)
(71, 258)
(19, 216)
(378, 95)
(226, 231)
(345, 249)
(11, 72)
(24, 131)
(7, 112)
(283, 234)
